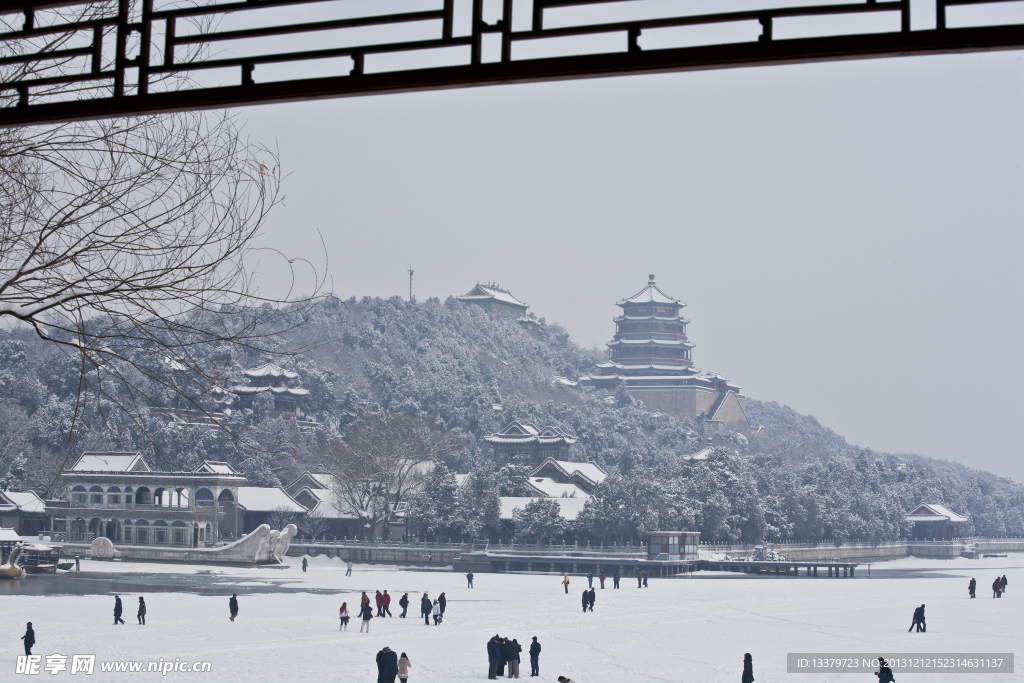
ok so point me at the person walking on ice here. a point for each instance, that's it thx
(469, 580)
(366, 613)
(403, 668)
(343, 615)
(404, 604)
(386, 600)
(616, 576)
(972, 587)
(590, 579)
(639, 578)
(601, 578)
(142, 612)
(997, 587)
(29, 638)
(233, 606)
(348, 564)
(586, 599)
(591, 597)
(493, 657)
(535, 657)
(425, 609)
(918, 620)
(748, 669)
(435, 612)
(645, 579)
(118, 609)
(565, 582)
(884, 673)
(304, 564)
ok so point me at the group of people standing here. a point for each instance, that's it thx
(505, 652)
(641, 579)
(998, 586)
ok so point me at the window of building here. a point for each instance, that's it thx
(78, 495)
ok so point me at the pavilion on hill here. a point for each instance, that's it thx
(520, 442)
(650, 356)
(281, 383)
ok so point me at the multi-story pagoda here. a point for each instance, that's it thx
(650, 356)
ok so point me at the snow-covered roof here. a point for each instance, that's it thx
(650, 294)
(270, 370)
(110, 462)
(569, 508)
(550, 488)
(933, 512)
(26, 501)
(492, 292)
(331, 507)
(267, 499)
(216, 467)
(9, 536)
(651, 340)
(590, 471)
(522, 433)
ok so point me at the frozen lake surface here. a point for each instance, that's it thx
(679, 629)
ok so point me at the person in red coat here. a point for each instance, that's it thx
(386, 599)
(379, 599)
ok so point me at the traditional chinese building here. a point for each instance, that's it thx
(934, 522)
(117, 496)
(282, 384)
(494, 299)
(650, 356)
(523, 443)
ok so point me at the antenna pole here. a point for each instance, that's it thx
(410, 282)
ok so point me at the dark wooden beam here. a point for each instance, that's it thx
(736, 55)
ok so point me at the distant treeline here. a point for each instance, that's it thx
(465, 371)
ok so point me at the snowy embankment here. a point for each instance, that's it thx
(680, 629)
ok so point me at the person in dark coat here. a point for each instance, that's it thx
(469, 579)
(918, 620)
(586, 599)
(1002, 584)
(591, 596)
(404, 604)
(233, 606)
(645, 579)
(29, 638)
(386, 600)
(512, 650)
(142, 611)
(425, 607)
(884, 673)
(389, 665)
(304, 564)
(997, 587)
(748, 669)
(615, 577)
(365, 613)
(502, 661)
(590, 579)
(493, 655)
(972, 587)
(535, 657)
(380, 666)
(441, 602)
(118, 610)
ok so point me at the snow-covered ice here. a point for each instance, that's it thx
(679, 629)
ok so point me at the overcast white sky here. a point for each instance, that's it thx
(848, 236)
